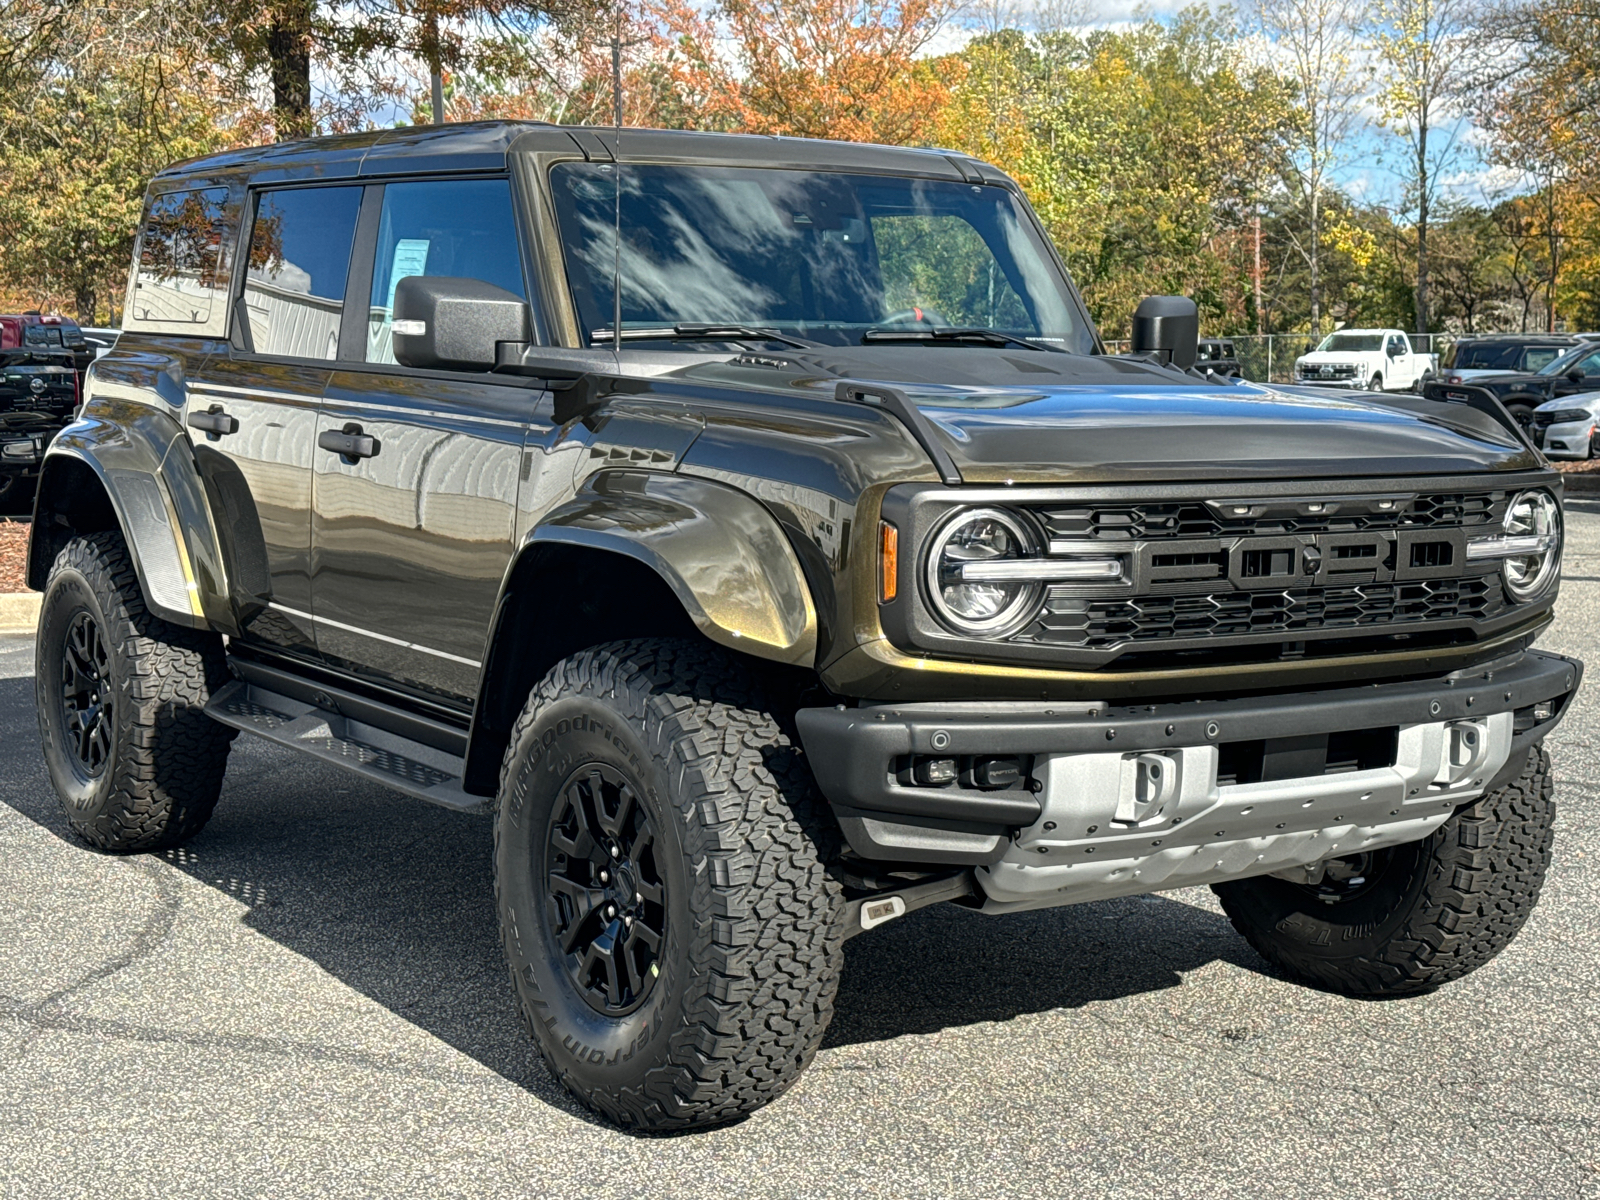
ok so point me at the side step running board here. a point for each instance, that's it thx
(375, 754)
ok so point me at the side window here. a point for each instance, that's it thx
(1591, 365)
(1397, 345)
(181, 266)
(456, 227)
(299, 258)
(939, 270)
(1539, 357)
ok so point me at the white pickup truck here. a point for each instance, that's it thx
(1375, 360)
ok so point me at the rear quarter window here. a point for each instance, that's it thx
(180, 270)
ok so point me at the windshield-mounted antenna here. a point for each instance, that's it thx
(616, 233)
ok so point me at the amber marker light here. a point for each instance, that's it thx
(888, 561)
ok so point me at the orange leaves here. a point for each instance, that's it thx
(808, 68)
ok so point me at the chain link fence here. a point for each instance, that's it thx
(1269, 357)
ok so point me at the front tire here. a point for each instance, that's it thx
(1375, 384)
(674, 940)
(1407, 919)
(121, 698)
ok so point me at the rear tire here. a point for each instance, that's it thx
(121, 698)
(1426, 913)
(675, 943)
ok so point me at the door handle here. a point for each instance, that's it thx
(349, 443)
(214, 422)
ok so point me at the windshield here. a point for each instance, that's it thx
(1352, 341)
(822, 256)
(1487, 356)
(1584, 358)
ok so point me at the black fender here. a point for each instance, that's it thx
(136, 454)
(720, 550)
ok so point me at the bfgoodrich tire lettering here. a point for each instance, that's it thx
(155, 762)
(1434, 911)
(751, 939)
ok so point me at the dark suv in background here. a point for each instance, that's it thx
(42, 360)
(759, 530)
(1501, 353)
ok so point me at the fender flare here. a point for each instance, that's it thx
(720, 550)
(132, 463)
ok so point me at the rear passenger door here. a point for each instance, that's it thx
(252, 413)
(410, 544)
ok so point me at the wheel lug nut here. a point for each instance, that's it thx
(604, 877)
(614, 852)
(611, 910)
(638, 898)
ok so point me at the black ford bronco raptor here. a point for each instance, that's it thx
(759, 530)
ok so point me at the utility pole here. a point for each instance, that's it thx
(436, 76)
(1260, 328)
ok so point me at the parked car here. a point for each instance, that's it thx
(1218, 355)
(1499, 353)
(38, 395)
(814, 587)
(36, 330)
(1376, 360)
(100, 340)
(1524, 393)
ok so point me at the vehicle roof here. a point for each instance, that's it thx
(486, 145)
(1537, 339)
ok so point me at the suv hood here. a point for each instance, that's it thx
(1215, 432)
(1031, 416)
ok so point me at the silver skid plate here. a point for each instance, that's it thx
(1109, 828)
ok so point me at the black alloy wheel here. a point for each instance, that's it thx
(87, 698)
(606, 898)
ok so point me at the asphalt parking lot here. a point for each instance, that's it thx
(309, 1000)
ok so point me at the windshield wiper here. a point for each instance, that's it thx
(975, 334)
(699, 333)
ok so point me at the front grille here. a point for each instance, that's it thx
(1092, 623)
(1269, 573)
(1128, 522)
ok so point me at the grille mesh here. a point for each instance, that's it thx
(1099, 623)
(1130, 522)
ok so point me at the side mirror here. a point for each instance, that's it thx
(455, 324)
(1575, 375)
(1168, 327)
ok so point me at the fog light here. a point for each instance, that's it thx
(18, 450)
(935, 772)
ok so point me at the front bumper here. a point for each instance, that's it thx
(1068, 831)
(1565, 441)
(1349, 385)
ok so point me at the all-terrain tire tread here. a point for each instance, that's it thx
(756, 836)
(169, 772)
(1485, 869)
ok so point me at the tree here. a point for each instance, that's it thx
(1317, 50)
(809, 68)
(1422, 47)
(73, 167)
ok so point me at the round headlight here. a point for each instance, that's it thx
(1536, 517)
(962, 598)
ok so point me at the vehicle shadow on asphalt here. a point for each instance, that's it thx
(393, 897)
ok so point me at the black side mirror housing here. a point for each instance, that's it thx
(454, 324)
(1169, 328)
(1575, 375)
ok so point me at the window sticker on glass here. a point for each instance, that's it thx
(410, 258)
